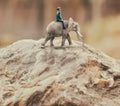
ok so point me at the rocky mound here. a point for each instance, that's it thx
(53, 76)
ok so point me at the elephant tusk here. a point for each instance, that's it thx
(79, 35)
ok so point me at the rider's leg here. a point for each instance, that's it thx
(62, 24)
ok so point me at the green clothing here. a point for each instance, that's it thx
(58, 16)
(59, 19)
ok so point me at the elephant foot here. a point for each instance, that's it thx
(52, 45)
(70, 43)
(63, 46)
(42, 44)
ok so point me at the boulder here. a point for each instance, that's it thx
(76, 75)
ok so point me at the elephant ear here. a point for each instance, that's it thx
(70, 22)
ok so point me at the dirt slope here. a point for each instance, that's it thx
(54, 76)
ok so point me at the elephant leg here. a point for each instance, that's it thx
(46, 40)
(51, 41)
(63, 40)
(69, 39)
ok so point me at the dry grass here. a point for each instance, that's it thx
(104, 34)
(6, 40)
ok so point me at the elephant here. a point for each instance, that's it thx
(54, 29)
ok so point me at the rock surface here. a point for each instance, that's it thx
(53, 76)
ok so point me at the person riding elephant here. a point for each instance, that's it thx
(59, 17)
(55, 29)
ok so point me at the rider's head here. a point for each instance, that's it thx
(58, 8)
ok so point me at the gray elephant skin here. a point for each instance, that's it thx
(54, 29)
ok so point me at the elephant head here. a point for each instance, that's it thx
(74, 26)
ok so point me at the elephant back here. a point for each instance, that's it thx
(56, 27)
